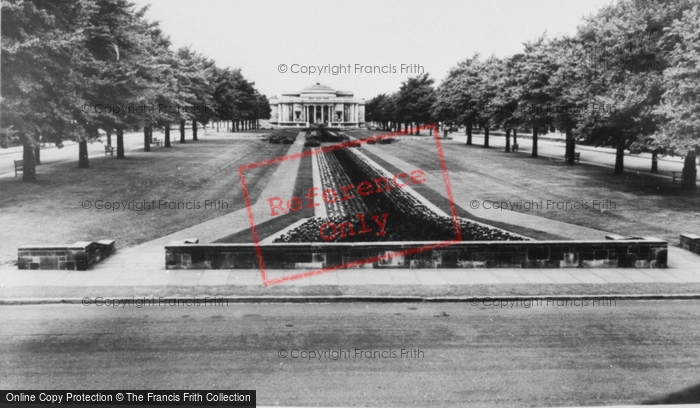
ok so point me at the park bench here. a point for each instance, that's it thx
(677, 177)
(19, 166)
(515, 147)
(157, 142)
(577, 157)
(110, 150)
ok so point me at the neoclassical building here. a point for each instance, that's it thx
(318, 104)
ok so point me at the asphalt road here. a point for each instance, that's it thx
(51, 155)
(454, 354)
(589, 154)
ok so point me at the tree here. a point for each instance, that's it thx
(485, 92)
(378, 111)
(536, 101)
(507, 115)
(679, 110)
(455, 94)
(623, 64)
(40, 87)
(415, 99)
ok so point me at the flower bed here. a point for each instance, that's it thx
(405, 217)
(332, 177)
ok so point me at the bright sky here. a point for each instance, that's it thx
(258, 36)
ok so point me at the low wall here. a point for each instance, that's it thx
(78, 256)
(637, 253)
(691, 242)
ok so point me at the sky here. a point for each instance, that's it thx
(373, 46)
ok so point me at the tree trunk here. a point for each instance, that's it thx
(534, 142)
(83, 161)
(507, 140)
(167, 135)
(28, 165)
(146, 140)
(182, 132)
(120, 143)
(515, 136)
(690, 172)
(217, 126)
(37, 154)
(654, 162)
(620, 157)
(570, 146)
(417, 129)
(486, 136)
(469, 134)
(109, 138)
(194, 130)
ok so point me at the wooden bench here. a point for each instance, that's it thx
(19, 166)
(157, 142)
(110, 150)
(515, 147)
(677, 177)
(577, 157)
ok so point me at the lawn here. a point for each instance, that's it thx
(302, 184)
(50, 211)
(645, 205)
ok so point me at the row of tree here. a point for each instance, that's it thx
(629, 79)
(73, 68)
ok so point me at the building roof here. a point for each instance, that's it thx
(318, 87)
(318, 90)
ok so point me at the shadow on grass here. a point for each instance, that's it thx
(302, 184)
(690, 395)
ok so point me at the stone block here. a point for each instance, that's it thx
(537, 253)
(49, 262)
(642, 263)
(482, 257)
(690, 242)
(395, 261)
(595, 263)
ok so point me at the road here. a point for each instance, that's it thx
(455, 354)
(51, 155)
(589, 154)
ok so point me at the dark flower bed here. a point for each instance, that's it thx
(323, 134)
(282, 136)
(400, 215)
(398, 228)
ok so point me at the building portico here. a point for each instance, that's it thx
(317, 104)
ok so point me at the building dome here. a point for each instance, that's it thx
(318, 87)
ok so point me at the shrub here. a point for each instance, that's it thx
(312, 143)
